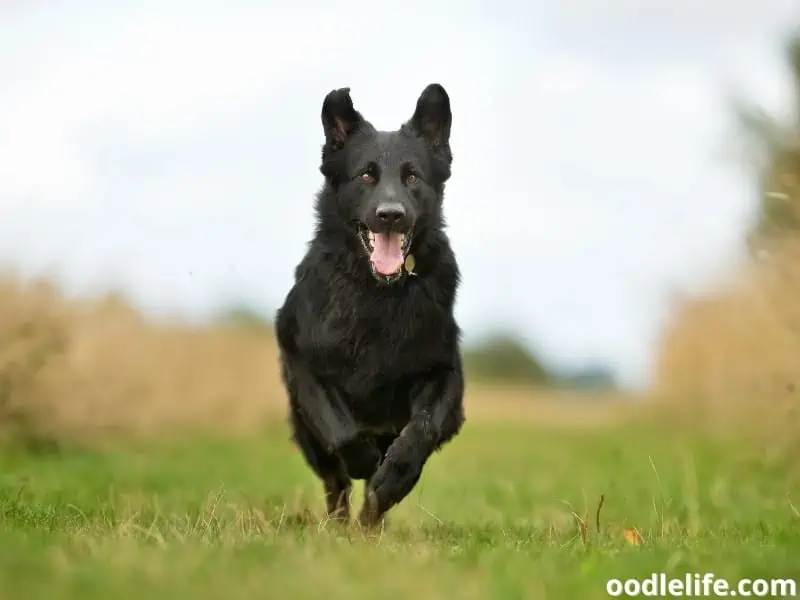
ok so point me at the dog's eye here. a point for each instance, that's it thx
(367, 177)
(411, 178)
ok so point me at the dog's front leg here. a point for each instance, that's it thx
(436, 416)
(327, 415)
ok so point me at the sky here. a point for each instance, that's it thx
(170, 149)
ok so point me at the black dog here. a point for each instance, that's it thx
(370, 349)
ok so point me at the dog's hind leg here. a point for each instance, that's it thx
(328, 468)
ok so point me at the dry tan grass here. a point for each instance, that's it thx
(73, 369)
(732, 359)
(544, 407)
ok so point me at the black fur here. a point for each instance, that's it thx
(372, 363)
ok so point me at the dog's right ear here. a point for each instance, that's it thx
(339, 119)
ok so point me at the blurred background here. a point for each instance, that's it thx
(624, 199)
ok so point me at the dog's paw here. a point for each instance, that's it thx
(361, 457)
(370, 516)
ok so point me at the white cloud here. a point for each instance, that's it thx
(709, 15)
(156, 77)
(564, 75)
(684, 92)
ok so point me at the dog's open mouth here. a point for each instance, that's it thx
(386, 251)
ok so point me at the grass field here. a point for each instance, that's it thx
(151, 460)
(496, 515)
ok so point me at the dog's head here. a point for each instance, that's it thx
(385, 188)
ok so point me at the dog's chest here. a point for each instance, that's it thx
(372, 340)
(384, 333)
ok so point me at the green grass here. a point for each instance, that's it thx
(491, 518)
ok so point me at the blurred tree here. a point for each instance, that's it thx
(246, 317)
(502, 357)
(777, 152)
(590, 378)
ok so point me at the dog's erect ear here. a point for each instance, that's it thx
(339, 118)
(432, 117)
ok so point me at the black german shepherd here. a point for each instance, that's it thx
(370, 349)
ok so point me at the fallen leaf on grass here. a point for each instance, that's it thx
(632, 536)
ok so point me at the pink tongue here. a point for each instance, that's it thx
(387, 253)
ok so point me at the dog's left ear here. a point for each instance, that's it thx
(432, 117)
(339, 119)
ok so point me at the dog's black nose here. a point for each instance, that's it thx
(391, 214)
